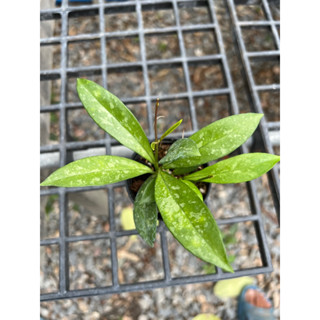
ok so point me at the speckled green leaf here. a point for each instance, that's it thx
(189, 220)
(194, 188)
(145, 211)
(114, 117)
(244, 167)
(172, 128)
(182, 171)
(96, 171)
(180, 153)
(224, 136)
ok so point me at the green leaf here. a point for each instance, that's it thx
(244, 167)
(145, 211)
(180, 153)
(114, 117)
(153, 145)
(182, 171)
(224, 136)
(189, 220)
(193, 187)
(172, 128)
(96, 171)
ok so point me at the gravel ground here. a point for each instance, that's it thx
(90, 260)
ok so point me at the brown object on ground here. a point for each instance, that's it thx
(257, 299)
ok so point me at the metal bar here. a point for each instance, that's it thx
(273, 24)
(113, 243)
(63, 224)
(150, 285)
(258, 23)
(165, 255)
(145, 69)
(185, 68)
(263, 54)
(267, 87)
(233, 100)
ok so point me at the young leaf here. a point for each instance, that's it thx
(114, 117)
(244, 167)
(145, 212)
(96, 171)
(194, 188)
(224, 136)
(189, 220)
(180, 153)
(172, 128)
(153, 145)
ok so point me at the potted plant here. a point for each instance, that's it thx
(170, 185)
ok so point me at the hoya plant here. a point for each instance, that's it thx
(170, 186)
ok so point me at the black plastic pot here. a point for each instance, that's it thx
(132, 194)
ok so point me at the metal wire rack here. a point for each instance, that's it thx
(66, 149)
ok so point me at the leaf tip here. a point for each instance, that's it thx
(275, 159)
(79, 81)
(82, 82)
(228, 268)
(44, 183)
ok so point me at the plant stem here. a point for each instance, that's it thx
(156, 151)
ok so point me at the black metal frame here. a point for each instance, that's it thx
(66, 148)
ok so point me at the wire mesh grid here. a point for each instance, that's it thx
(264, 23)
(153, 76)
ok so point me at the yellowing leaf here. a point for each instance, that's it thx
(127, 221)
(231, 288)
(206, 316)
